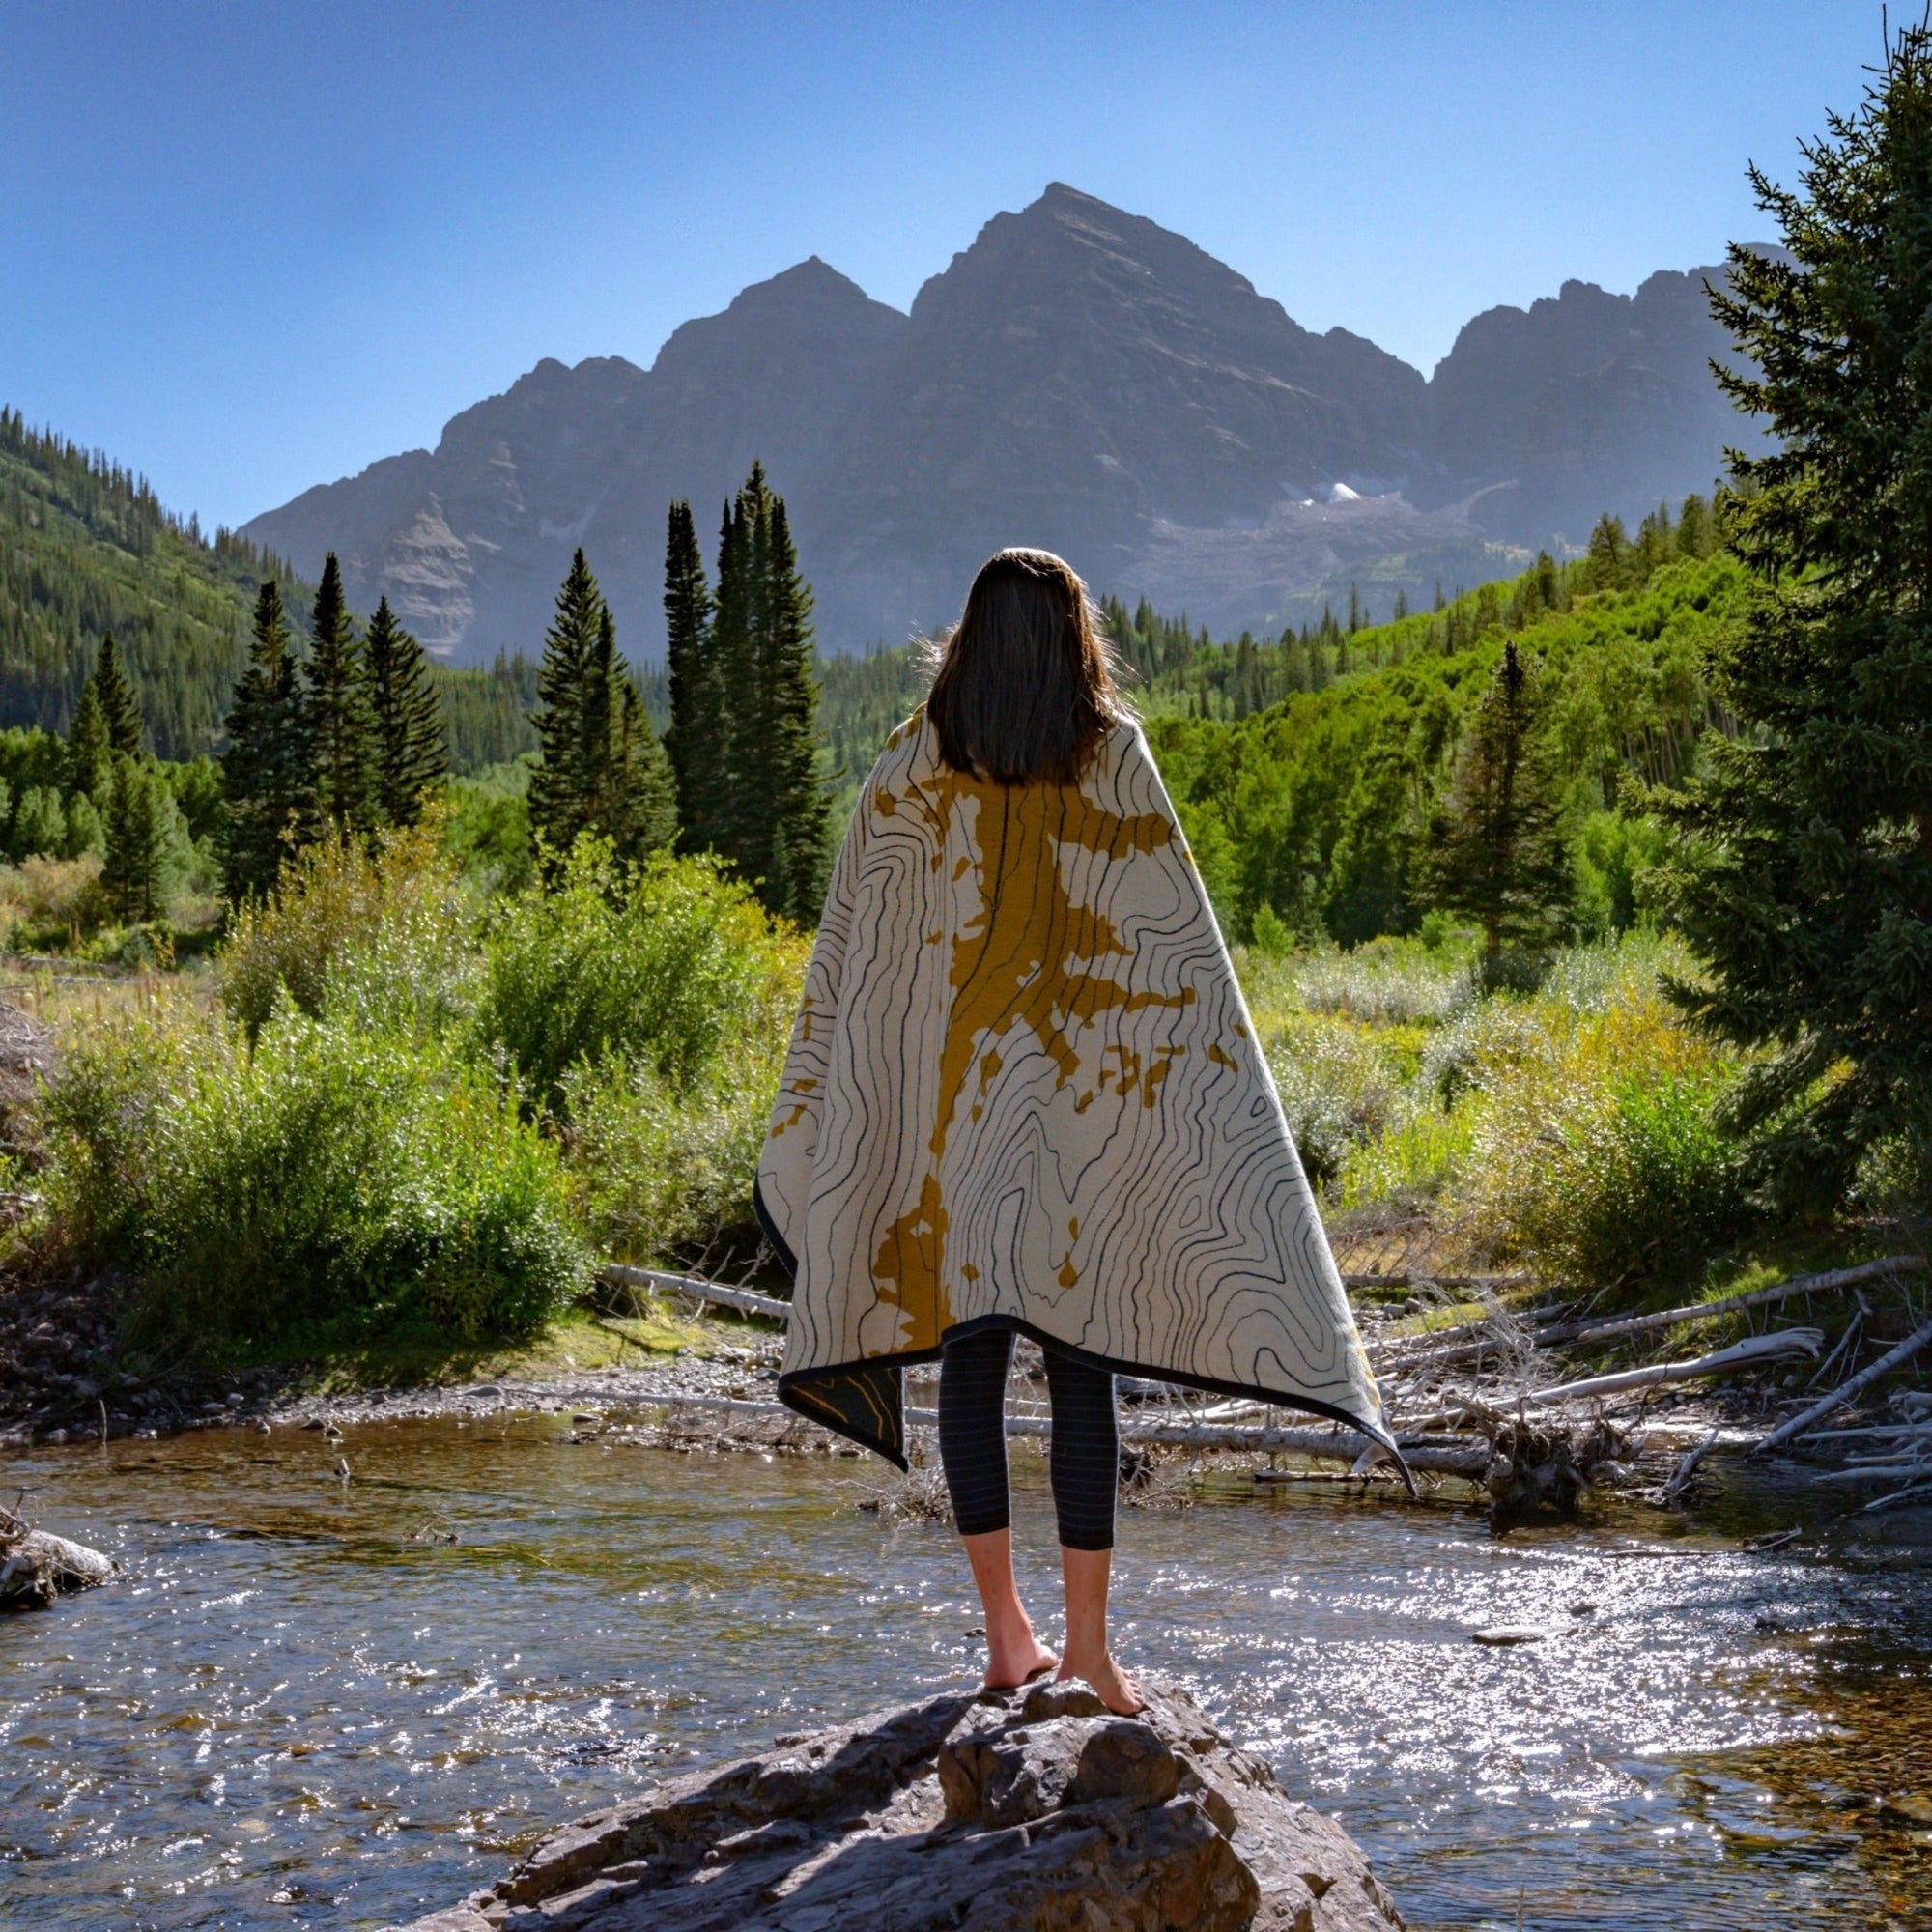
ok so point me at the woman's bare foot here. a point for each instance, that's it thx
(1087, 1655)
(1107, 1681)
(1013, 1664)
(1016, 1655)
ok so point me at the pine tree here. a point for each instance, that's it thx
(145, 839)
(341, 727)
(563, 785)
(1812, 906)
(1694, 534)
(596, 719)
(120, 711)
(90, 755)
(649, 820)
(1495, 855)
(744, 736)
(1608, 558)
(794, 879)
(411, 756)
(268, 768)
(734, 831)
(696, 740)
(602, 769)
(1247, 676)
(1295, 670)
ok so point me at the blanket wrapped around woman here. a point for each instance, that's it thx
(1024, 1091)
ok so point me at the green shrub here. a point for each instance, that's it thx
(1596, 1154)
(1395, 981)
(1340, 1084)
(1272, 940)
(1613, 858)
(660, 967)
(45, 901)
(663, 1171)
(40, 825)
(335, 1181)
(385, 933)
(486, 832)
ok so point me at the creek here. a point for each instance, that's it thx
(290, 1712)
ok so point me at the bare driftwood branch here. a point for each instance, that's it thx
(1893, 1429)
(1845, 1392)
(1862, 1472)
(1759, 1349)
(1686, 1468)
(1844, 1349)
(743, 1299)
(1909, 1494)
(1336, 1444)
(1703, 1310)
(1437, 1280)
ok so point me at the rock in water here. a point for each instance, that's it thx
(36, 1566)
(1013, 1811)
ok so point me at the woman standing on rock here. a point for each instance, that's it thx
(1024, 1096)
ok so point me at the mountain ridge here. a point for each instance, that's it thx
(1077, 377)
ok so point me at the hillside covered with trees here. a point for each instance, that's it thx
(86, 548)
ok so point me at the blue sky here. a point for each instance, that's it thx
(254, 246)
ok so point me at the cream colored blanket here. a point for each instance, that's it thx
(1024, 1091)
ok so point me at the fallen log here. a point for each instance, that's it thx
(1860, 1472)
(1910, 1494)
(1893, 1429)
(1335, 1445)
(1455, 1356)
(1338, 1445)
(1758, 1350)
(744, 1299)
(1436, 1282)
(1845, 1392)
(1703, 1310)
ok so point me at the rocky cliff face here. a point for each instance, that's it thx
(1078, 378)
(1588, 403)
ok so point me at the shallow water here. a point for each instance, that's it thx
(288, 1714)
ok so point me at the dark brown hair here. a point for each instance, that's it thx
(1024, 688)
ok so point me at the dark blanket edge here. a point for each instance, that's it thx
(849, 1417)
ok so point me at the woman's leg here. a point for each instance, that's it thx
(1086, 1466)
(973, 1451)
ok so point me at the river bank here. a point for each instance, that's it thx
(64, 1377)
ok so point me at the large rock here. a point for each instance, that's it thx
(1038, 1811)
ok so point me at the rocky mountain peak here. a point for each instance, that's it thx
(1079, 376)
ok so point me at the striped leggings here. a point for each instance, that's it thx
(1086, 1459)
